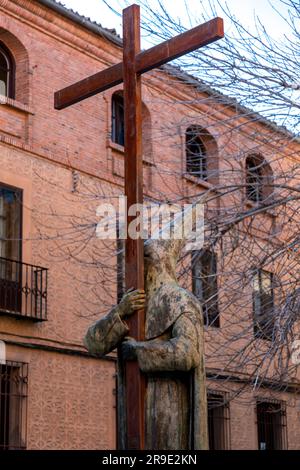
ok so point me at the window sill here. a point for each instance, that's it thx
(117, 147)
(21, 316)
(262, 338)
(9, 102)
(120, 149)
(212, 328)
(198, 181)
(260, 205)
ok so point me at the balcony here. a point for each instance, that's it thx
(23, 290)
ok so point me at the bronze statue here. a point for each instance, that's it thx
(172, 355)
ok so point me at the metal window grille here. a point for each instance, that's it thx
(13, 405)
(23, 290)
(218, 414)
(263, 304)
(196, 154)
(271, 425)
(254, 180)
(205, 285)
(23, 287)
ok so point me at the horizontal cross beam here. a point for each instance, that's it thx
(151, 58)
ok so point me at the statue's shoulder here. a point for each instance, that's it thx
(171, 301)
(180, 296)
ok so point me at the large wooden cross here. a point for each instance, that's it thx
(134, 64)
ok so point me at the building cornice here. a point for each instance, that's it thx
(83, 21)
(63, 29)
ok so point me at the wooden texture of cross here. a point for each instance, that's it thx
(134, 64)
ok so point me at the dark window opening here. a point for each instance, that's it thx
(218, 421)
(117, 125)
(7, 73)
(254, 179)
(263, 304)
(271, 425)
(120, 266)
(196, 154)
(13, 403)
(10, 248)
(205, 285)
(10, 222)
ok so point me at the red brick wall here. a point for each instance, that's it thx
(71, 400)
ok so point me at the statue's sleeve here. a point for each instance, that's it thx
(180, 352)
(104, 335)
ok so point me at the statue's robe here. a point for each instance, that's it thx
(172, 357)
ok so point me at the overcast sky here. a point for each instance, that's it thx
(245, 10)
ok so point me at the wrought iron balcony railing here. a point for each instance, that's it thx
(23, 290)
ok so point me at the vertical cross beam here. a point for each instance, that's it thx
(134, 249)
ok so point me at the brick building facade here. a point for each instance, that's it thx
(55, 168)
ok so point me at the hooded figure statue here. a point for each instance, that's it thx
(172, 355)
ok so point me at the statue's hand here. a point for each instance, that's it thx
(131, 301)
(128, 349)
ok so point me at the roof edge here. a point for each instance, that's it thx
(175, 71)
(81, 20)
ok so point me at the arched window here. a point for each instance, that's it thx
(117, 119)
(7, 73)
(196, 153)
(258, 178)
